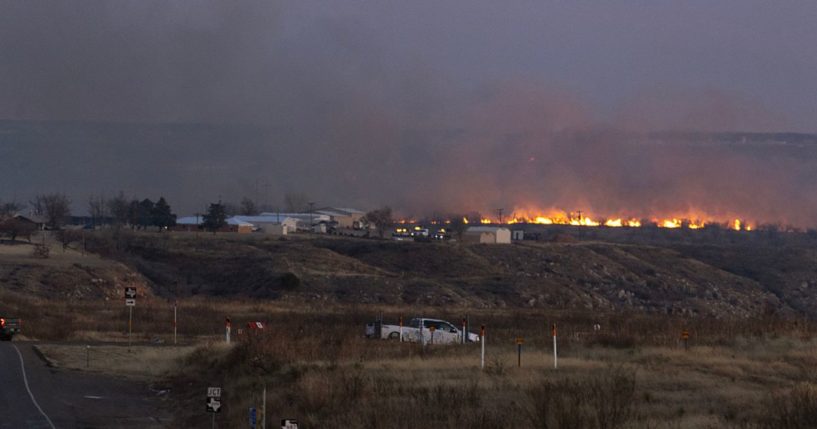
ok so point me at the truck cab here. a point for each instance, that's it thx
(9, 327)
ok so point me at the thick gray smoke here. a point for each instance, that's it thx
(428, 108)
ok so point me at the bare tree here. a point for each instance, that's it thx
(458, 225)
(381, 219)
(98, 209)
(55, 207)
(118, 208)
(248, 207)
(8, 209)
(230, 209)
(14, 228)
(295, 202)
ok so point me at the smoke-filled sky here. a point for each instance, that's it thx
(422, 105)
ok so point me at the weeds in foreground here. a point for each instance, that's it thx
(607, 401)
(794, 409)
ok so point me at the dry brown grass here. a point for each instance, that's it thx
(320, 369)
(140, 362)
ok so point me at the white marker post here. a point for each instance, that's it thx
(482, 342)
(264, 408)
(175, 321)
(130, 302)
(130, 325)
(227, 326)
(555, 355)
(401, 329)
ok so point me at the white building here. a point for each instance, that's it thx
(302, 220)
(270, 224)
(194, 222)
(487, 235)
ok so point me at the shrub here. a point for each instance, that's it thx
(289, 281)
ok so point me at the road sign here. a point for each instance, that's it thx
(213, 405)
(213, 399)
(130, 292)
(289, 424)
(252, 418)
(130, 302)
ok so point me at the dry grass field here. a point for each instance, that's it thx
(319, 369)
(748, 366)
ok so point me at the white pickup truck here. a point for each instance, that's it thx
(422, 330)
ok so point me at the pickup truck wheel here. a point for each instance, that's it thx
(5, 337)
(394, 336)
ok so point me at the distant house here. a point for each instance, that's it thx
(487, 235)
(37, 220)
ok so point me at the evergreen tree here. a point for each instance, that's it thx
(163, 217)
(144, 216)
(215, 218)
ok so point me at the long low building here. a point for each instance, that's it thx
(304, 221)
(189, 223)
(270, 224)
(344, 217)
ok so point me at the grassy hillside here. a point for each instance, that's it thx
(690, 278)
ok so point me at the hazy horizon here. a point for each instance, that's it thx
(424, 106)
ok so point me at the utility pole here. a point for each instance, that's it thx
(500, 215)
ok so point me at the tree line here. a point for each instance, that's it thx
(54, 211)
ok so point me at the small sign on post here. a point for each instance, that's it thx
(432, 328)
(214, 402)
(252, 418)
(213, 399)
(685, 339)
(130, 302)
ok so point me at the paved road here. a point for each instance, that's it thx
(69, 399)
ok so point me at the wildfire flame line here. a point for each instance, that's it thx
(578, 219)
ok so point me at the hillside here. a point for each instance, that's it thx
(730, 278)
(734, 279)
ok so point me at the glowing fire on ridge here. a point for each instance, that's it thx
(555, 217)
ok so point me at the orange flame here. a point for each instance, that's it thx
(689, 220)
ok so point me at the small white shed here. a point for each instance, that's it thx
(487, 235)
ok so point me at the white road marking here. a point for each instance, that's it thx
(92, 397)
(25, 380)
